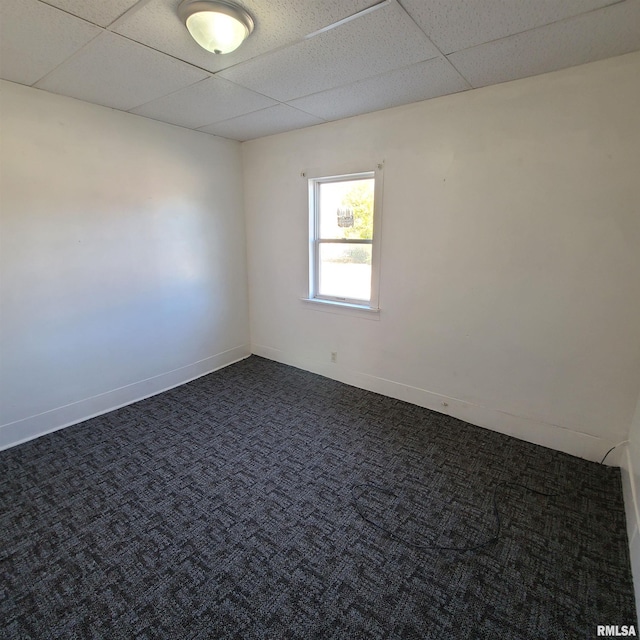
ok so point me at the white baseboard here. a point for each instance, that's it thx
(38, 425)
(632, 510)
(552, 436)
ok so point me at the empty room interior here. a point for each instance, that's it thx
(319, 319)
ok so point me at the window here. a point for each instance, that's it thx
(344, 219)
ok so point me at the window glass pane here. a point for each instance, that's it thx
(345, 271)
(346, 209)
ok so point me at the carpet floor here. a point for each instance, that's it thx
(262, 501)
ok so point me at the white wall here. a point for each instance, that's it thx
(123, 267)
(510, 282)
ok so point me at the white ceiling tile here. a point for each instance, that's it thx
(420, 81)
(460, 24)
(36, 38)
(379, 41)
(277, 23)
(209, 101)
(115, 72)
(262, 123)
(96, 11)
(593, 36)
(369, 62)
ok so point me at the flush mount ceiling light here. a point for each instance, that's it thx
(219, 27)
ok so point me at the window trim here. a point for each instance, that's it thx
(314, 180)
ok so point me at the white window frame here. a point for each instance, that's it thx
(314, 182)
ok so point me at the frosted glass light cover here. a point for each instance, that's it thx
(216, 32)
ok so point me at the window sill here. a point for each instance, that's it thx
(344, 308)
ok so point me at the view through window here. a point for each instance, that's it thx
(342, 223)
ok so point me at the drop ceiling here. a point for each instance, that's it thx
(307, 61)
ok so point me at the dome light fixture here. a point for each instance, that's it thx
(218, 27)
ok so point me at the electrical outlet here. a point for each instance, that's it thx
(334, 356)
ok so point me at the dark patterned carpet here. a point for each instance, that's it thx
(232, 507)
